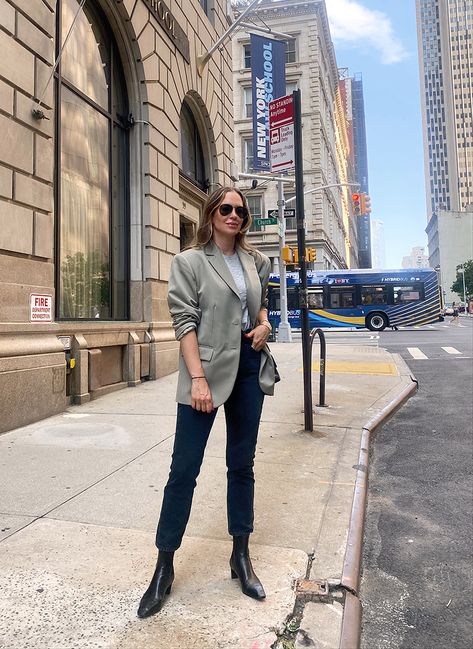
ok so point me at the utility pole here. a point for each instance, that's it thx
(303, 295)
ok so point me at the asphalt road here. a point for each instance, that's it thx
(417, 560)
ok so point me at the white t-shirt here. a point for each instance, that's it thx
(234, 265)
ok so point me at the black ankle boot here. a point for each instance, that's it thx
(160, 586)
(240, 565)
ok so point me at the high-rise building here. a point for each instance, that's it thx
(416, 259)
(378, 246)
(311, 67)
(351, 89)
(445, 29)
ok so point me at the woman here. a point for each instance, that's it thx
(217, 298)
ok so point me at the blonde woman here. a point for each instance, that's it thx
(218, 303)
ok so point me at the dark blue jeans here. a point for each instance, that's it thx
(242, 415)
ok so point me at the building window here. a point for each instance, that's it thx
(291, 50)
(254, 204)
(248, 101)
(92, 178)
(290, 87)
(192, 155)
(248, 155)
(247, 56)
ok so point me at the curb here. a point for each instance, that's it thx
(351, 621)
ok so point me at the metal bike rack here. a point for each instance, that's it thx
(323, 354)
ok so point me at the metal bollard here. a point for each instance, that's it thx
(323, 355)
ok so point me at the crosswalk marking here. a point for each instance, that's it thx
(416, 353)
(451, 350)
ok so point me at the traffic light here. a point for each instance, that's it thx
(287, 255)
(356, 204)
(365, 204)
(311, 254)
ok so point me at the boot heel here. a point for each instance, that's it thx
(168, 590)
(233, 574)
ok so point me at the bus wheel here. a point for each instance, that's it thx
(376, 321)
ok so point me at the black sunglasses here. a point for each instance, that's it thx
(225, 209)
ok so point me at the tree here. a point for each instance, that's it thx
(457, 286)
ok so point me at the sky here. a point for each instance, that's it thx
(378, 39)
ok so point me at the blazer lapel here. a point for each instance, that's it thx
(253, 284)
(219, 264)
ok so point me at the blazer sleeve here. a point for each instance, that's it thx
(183, 298)
(263, 266)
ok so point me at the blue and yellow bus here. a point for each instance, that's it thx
(375, 299)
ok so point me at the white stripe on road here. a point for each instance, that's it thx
(451, 350)
(416, 353)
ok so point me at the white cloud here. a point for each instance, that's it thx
(351, 22)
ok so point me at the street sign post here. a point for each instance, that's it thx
(281, 133)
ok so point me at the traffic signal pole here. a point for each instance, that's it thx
(303, 295)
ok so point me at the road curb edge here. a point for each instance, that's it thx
(351, 620)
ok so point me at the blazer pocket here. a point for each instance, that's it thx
(206, 353)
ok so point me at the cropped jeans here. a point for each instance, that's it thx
(242, 415)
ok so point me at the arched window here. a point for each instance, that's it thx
(91, 168)
(192, 155)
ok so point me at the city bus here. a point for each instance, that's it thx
(360, 298)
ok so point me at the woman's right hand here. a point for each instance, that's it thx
(201, 395)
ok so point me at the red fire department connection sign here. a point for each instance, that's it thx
(281, 133)
(41, 308)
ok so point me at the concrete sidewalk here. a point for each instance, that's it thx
(80, 495)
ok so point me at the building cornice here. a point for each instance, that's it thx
(278, 10)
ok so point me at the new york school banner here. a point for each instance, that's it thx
(268, 79)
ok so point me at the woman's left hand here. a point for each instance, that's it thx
(259, 336)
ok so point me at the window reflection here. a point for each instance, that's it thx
(192, 155)
(84, 232)
(85, 61)
(92, 170)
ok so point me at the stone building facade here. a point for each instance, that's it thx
(311, 67)
(110, 140)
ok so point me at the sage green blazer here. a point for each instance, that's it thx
(203, 296)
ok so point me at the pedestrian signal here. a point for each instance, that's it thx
(365, 204)
(356, 204)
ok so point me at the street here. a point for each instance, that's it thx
(416, 587)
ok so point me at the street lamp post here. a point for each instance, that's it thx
(464, 289)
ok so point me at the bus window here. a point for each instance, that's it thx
(316, 298)
(292, 298)
(405, 294)
(274, 299)
(342, 298)
(374, 295)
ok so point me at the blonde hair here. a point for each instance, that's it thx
(205, 229)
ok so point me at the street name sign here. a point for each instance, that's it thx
(281, 133)
(265, 221)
